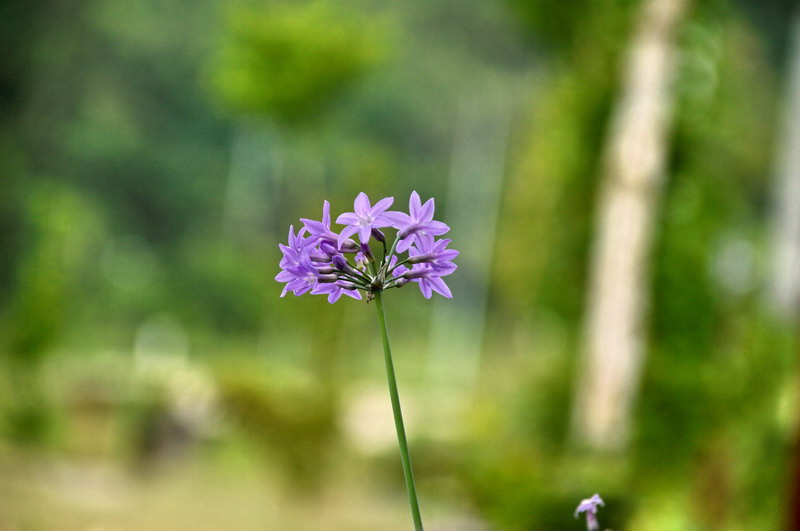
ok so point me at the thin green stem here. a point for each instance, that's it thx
(359, 281)
(388, 257)
(398, 415)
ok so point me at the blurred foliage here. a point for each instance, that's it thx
(280, 62)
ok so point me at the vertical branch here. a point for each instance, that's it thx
(633, 173)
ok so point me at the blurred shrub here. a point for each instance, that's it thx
(62, 232)
(514, 461)
(236, 290)
(288, 415)
(62, 229)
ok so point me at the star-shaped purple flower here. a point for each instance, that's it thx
(320, 231)
(428, 279)
(419, 220)
(364, 219)
(434, 253)
(294, 257)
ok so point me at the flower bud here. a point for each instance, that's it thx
(349, 246)
(318, 257)
(421, 258)
(367, 252)
(378, 235)
(327, 278)
(325, 270)
(328, 248)
(418, 273)
(339, 262)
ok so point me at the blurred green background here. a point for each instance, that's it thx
(153, 154)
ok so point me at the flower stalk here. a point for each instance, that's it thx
(405, 455)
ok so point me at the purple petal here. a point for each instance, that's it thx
(448, 254)
(426, 212)
(364, 234)
(425, 288)
(334, 296)
(381, 221)
(353, 293)
(440, 287)
(445, 268)
(424, 242)
(326, 214)
(346, 233)
(361, 205)
(381, 206)
(348, 218)
(414, 203)
(313, 226)
(439, 245)
(397, 218)
(436, 227)
(404, 244)
(284, 276)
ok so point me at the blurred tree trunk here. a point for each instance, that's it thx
(784, 294)
(634, 168)
(784, 288)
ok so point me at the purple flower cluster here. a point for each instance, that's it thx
(320, 261)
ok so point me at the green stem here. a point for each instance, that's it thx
(398, 415)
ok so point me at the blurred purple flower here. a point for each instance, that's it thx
(589, 506)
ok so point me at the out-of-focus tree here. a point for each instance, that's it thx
(784, 285)
(634, 170)
(783, 293)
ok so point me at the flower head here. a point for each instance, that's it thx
(315, 258)
(589, 506)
